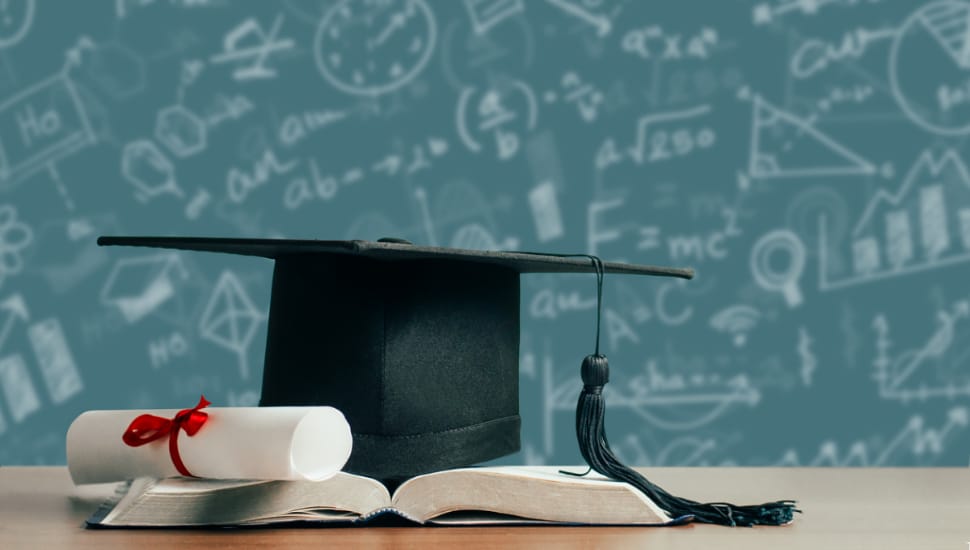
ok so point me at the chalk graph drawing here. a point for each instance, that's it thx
(373, 47)
(914, 440)
(923, 225)
(785, 146)
(675, 401)
(929, 66)
(903, 376)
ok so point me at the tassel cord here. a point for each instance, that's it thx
(595, 448)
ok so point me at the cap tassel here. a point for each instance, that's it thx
(590, 413)
(590, 431)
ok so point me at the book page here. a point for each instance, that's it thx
(531, 493)
(195, 502)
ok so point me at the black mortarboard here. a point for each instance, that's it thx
(417, 346)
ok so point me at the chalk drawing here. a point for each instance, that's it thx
(763, 264)
(15, 236)
(374, 47)
(896, 374)
(251, 59)
(16, 17)
(60, 372)
(501, 113)
(933, 47)
(18, 389)
(575, 8)
(485, 14)
(138, 286)
(809, 363)
(148, 170)
(784, 146)
(180, 130)
(737, 321)
(40, 125)
(923, 225)
(230, 319)
(915, 440)
(14, 310)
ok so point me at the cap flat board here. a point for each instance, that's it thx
(523, 262)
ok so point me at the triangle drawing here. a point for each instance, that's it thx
(785, 146)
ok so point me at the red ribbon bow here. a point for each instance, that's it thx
(148, 427)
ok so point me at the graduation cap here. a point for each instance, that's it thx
(419, 348)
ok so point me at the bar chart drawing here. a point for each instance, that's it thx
(923, 225)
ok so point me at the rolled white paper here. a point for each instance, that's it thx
(297, 443)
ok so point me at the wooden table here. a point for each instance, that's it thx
(881, 508)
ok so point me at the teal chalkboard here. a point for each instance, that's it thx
(807, 157)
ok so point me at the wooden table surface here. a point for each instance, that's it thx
(878, 508)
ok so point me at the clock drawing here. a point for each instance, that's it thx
(371, 47)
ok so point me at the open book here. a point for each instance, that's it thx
(468, 496)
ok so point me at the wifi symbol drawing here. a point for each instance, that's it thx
(737, 320)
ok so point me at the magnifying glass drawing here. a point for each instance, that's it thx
(763, 264)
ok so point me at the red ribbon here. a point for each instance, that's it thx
(148, 427)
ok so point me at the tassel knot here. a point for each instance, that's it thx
(590, 431)
(595, 371)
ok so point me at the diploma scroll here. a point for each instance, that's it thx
(291, 443)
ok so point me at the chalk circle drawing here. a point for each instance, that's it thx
(929, 67)
(373, 47)
(14, 237)
(780, 242)
(16, 17)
